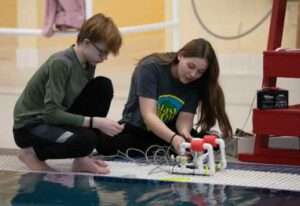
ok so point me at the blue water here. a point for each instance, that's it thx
(290, 169)
(37, 189)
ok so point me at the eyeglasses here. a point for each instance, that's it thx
(101, 52)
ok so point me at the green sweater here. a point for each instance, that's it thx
(52, 90)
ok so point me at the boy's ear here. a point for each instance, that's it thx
(86, 41)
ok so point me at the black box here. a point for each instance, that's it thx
(272, 98)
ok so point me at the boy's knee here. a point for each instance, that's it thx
(104, 85)
(103, 82)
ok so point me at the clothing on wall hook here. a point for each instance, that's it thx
(63, 15)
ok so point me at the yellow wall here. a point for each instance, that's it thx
(237, 16)
(124, 13)
(8, 18)
(131, 12)
(8, 13)
(30, 51)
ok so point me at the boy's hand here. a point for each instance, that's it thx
(107, 126)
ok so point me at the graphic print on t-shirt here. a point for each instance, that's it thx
(168, 106)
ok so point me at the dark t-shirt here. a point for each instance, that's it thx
(153, 79)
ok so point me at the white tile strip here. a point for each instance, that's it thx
(270, 180)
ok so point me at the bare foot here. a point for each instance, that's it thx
(29, 158)
(86, 164)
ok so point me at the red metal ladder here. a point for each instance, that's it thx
(276, 122)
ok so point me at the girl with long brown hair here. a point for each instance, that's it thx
(166, 91)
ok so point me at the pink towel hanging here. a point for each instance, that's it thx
(63, 15)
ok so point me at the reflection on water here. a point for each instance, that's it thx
(55, 189)
(61, 189)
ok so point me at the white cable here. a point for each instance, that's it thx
(200, 21)
(158, 160)
(250, 110)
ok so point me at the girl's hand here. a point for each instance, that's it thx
(177, 141)
(187, 136)
(107, 126)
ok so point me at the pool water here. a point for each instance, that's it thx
(35, 189)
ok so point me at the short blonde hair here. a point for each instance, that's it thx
(100, 28)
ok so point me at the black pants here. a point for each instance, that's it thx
(58, 142)
(132, 137)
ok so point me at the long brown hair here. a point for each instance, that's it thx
(212, 101)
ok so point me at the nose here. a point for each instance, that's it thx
(102, 58)
(193, 74)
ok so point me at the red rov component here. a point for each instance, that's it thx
(210, 139)
(197, 145)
